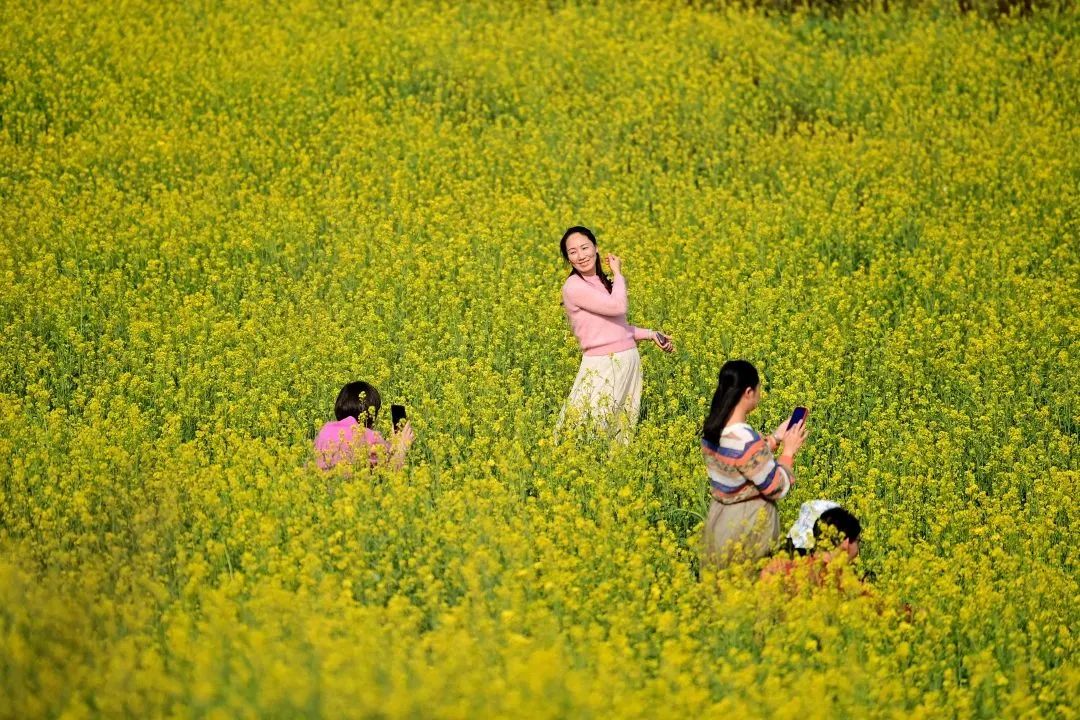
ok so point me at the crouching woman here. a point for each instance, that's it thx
(352, 435)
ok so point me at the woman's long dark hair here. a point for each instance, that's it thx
(735, 377)
(580, 230)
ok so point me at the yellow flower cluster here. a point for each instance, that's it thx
(213, 215)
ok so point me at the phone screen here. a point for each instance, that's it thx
(798, 415)
(397, 415)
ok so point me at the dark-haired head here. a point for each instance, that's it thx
(568, 239)
(359, 400)
(736, 378)
(841, 528)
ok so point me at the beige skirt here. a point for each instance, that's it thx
(743, 531)
(606, 395)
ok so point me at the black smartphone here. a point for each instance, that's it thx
(797, 416)
(662, 338)
(397, 416)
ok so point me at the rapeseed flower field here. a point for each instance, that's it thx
(214, 214)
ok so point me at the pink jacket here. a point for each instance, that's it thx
(597, 318)
(337, 440)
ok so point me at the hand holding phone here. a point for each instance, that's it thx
(781, 434)
(403, 436)
(663, 341)
(793, 433)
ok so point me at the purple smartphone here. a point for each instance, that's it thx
(797, 416)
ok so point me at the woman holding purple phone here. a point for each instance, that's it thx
(746, 479)
(607, 389)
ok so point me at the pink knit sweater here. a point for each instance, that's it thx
(597, 318)
(337, 440)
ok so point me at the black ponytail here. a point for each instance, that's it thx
(581, 230)
(735, 377)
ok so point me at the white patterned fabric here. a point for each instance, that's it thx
(801, 533)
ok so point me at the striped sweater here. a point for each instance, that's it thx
(742, 467)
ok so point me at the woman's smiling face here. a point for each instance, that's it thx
(581, 253)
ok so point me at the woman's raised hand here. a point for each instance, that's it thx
(406, 435)
(794, 437)
(781, 429)
(399, 445)
(615, 263)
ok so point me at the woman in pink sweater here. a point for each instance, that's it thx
(607, 390)
(353, 433)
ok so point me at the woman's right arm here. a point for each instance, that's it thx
(775, 478)
(792, 439)
(772, 477)
(598, 302)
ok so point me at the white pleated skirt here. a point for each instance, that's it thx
(606, 395)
